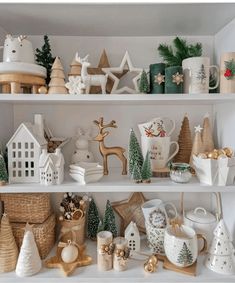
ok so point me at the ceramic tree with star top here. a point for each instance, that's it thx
(220, 255)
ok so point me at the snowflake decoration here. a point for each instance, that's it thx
(75, 85)
(177, 78)
(198, 129)
(159, 78)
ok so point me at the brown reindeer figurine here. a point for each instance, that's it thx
(106, 151)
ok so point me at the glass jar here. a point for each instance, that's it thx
(180, 172)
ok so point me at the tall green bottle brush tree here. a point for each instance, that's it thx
(44, 57)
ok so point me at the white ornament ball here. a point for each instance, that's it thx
(69, 254)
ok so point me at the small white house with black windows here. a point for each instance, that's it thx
(51, 167)
(24, 150)
(132, 235)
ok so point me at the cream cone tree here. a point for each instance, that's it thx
(197, 143)
(207, 136)
(57, 82)
(75, 68)
(29, 261)
(8, 247)
(185, 142)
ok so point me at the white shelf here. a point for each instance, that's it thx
(134, 273)
(115, 182)
(170, 99)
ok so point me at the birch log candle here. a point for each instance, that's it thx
(121, 254)
(105, 250)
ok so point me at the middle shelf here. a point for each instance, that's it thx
(115, 182)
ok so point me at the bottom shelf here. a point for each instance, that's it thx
(134, 273)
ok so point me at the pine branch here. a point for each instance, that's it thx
(181, 47)
(166, 52)
(195, 50)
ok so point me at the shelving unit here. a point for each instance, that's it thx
(110, 99)
(117, 28)
(135, 273)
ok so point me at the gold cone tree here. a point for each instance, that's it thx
(207, 136)
(185, 142)
(8, 247)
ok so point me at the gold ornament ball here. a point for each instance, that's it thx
(42, 90)
(121, 253)
(228, 151)
(222, 156)
(210, 155)
(61, 218)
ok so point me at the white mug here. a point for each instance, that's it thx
(181, 245)
(157, 127)
(159, 150)
(197, 75)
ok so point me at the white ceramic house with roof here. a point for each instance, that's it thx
(24, 150)
(51, 167)
(132, 235)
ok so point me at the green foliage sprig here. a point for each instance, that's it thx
(174, 55)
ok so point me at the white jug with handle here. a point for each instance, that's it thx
(156, 220)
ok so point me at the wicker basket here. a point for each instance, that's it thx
(32, 208)
(73, 230)
(44, 235)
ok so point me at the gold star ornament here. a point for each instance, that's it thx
(159, 78)
(177, 78)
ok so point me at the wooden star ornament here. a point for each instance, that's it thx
(177, 78)
(159, 78)
(126, 61)
(68, 268)
(130, 210)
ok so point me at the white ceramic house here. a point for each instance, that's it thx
(132, 235)
(51, 167)
(24, 149)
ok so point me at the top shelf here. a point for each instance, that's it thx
(143, 99)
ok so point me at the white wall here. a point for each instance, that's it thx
(143, 50)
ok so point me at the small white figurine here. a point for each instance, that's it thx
(133, 237)
(18, 49)
(91, 80)
(82, 153)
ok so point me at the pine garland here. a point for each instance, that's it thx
(173, 56)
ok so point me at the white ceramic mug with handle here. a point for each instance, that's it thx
(159, 150)
(197, 75)
(181, 245)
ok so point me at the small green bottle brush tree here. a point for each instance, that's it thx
(144, 83)
(93, 220)
(3, 172)
(180, 50)
(45, 58)
(109, 223)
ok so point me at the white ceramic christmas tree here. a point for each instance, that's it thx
(220, 255)
(29, 261)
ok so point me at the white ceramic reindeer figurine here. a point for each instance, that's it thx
(91, 80)
(82, 153)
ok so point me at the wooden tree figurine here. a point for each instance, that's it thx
(207, 137)
(75, 68)
(197, 144)
(106, 151)
(109, 219)
(3, 172)
(93, 220)
(144, 84)
(8, 247)
(57, 82)
(29, 261)
(135, 153)
(146, 172)
(185, 142)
